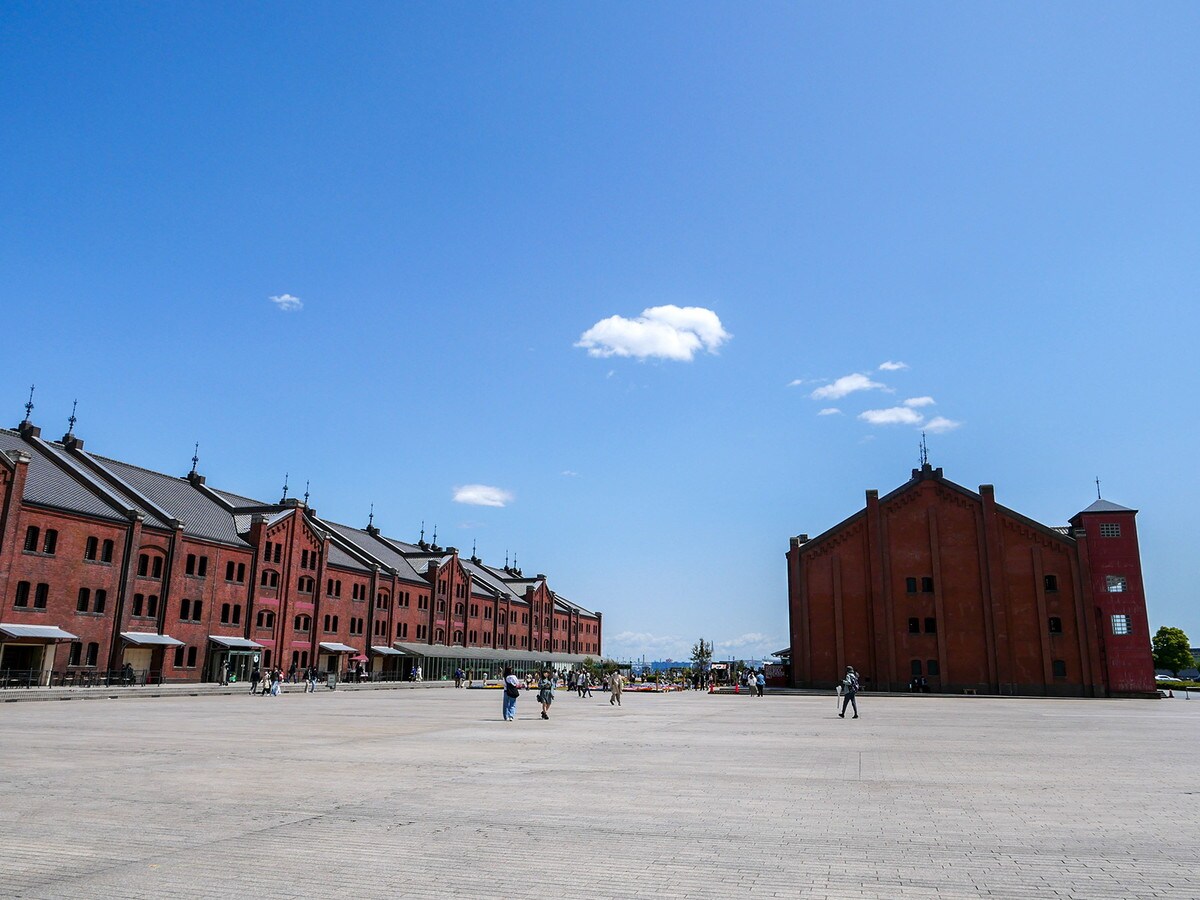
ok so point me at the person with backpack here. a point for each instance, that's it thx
(512, 691)
(849, 689)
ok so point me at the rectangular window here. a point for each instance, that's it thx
(1060, 668)
(190, 568)
(1055, 625)
(101, 598)
(241, 573)
(910, 585)
(1110, 529)
(185, 610)
(51, 542)
(93, 653)
(76, 653)
(229, 571)
(1121, 624)
(84, 600)
(237, 614)
(152, 605)
(179, 656)
(224, 613)
(1115, 584)
(91, 548)
(1050, 582)
(106, 552)
(931, 626)
(914, 626)
(41, 596)
(31, 538)
(932, 668)
(191, 658)
(138, 601)
(158, 567)
(927, 585)
(202, 568)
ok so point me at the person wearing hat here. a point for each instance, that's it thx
(849, 689)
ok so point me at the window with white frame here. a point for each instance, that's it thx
(1121, 624)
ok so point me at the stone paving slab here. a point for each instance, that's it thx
(429, 794)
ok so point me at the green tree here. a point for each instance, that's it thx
(1172, 650)
(702, 655)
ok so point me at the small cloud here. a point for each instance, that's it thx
(890, 366)
(568, 473)
(915, 402)
(660, 332)
(895, 415)
(847, 384)
(940, 425)
(482, 495)
(830, 411)
(287, 303)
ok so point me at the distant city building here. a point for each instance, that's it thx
(934, 581)
(104, 564)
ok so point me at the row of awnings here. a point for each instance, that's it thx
(438, 651)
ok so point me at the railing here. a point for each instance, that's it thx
(26, 678)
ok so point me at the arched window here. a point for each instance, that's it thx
(440, 636)
(106, 551)
(91, 548)
(31, 538)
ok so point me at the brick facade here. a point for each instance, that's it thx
(119, 556)
(941, 583)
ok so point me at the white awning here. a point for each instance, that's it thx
(386, 651)
(337, 648)
(41, 632)
(147, 639)
(234, 643)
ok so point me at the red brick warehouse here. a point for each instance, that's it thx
(939, 582)
(104, 564)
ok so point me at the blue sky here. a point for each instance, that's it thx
(1003, 198)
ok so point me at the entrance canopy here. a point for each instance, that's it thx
(40, 632)
(441, 651)
(234, 643)
(337, 648)
(386, 651)
(146, 639)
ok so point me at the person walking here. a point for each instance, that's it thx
(760, 682)
(276, 679)
(223, 675)
(255, 678)
(512, 691)
(310, 677)
(615, 684)
(587, 685)
(546, 693)
(849, 689)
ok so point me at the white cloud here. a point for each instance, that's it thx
(482, 495)
(660, 332)
(940, 425)
(287, 303)
(830, 411)
(895, 415)
(890, 366)
(919, 401)
(569, 473)
(752, 644)
(847, 384)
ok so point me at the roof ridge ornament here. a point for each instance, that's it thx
(285, 487)
(195, 458)
(924, 451)
(371, 517)
(1098, 497)
(306, 492)
(72, 420)
(28, 406)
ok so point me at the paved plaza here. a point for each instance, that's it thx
(429, 794)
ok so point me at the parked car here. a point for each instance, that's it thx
(1166, 678)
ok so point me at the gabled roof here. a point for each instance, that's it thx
(1106, 506)
(339, 557)
(48, 484)
(178, 498)
(379, 550)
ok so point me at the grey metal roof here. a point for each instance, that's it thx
(41, 632)
(237, 501)
(386, 651)
(47, 484)
(339, 557)
(1103, 506)
(201, 516)
(382, 551)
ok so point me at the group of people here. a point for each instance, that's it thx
(272, 680)
(547, 682)
(755, 683)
